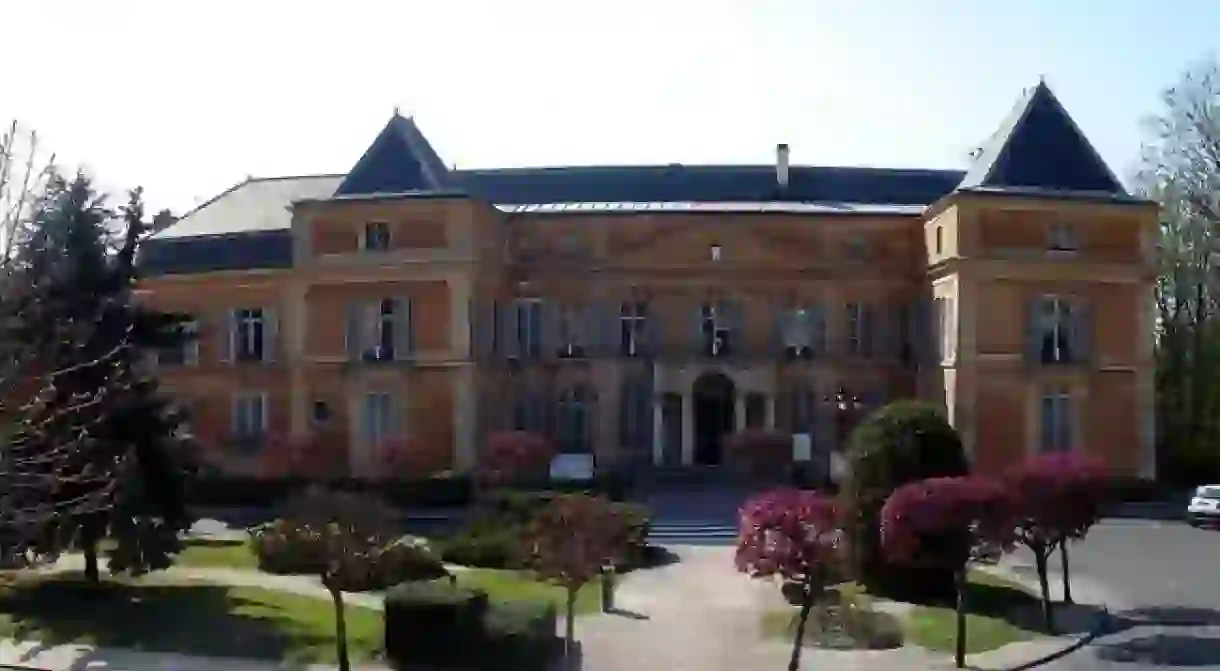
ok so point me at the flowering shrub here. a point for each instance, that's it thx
(1057, 497)
(761, 453)
(794, 534)
(347, 540)
(570, 541)
(401, 459)
(512, 456)
(946, 522)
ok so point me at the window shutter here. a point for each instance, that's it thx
(404, 338)
(550, 337)
(191, 346)
(226, 336)
(654, 333)
(370, 326)
(697, 323)
(264, 410)
(270, 333)
(1033, 329)
(510, 340)
(491, 330)
(782, 322)
(817, 327)
(352, 334)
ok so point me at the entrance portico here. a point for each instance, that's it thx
(713, 401)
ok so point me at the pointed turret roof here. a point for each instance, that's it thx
(1039, 148)
(400, 160)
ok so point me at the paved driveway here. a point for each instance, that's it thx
(1163, 580)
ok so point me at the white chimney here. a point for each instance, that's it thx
(781, 165)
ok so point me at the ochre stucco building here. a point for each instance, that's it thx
(639, 314)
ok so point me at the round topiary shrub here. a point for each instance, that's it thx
(902, 442)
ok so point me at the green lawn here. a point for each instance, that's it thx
(856, 624)
(521, 586)
(991, 603)
(156, 614)
(217, 554)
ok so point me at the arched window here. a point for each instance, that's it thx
(575, 420)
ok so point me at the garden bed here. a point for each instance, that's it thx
(844, 619)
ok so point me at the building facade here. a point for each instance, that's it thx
(641, 314)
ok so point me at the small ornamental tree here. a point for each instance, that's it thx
(348, 541)
(1057, 498)
(569, 542)
(906, 441)
(515, 456)
(947, 522)
(794, 534)
(761, 453)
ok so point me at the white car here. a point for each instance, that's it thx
(1204, 507)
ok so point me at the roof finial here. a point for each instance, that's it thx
(397, 112)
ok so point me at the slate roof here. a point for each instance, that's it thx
(256, 204)
(400, 159)
(1040, 148)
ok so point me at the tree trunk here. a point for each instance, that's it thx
(569, 632)
(1067, 576)
(959, 653)
(340, 630)
(89, 540)
(794, 664)
(1048, 620)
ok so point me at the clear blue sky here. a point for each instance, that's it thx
(188, 98)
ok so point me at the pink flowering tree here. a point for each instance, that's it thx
(793, 534)
(513, 456)
(1057, 498)
(947, 522)
(569, 543)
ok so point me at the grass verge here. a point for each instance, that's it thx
(206, 553)
(183, 617)
(992, 620)
(505, 585)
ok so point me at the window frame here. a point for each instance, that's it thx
(379, 226)
(241, 418)
(249, 334)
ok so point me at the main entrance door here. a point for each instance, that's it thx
(713, 397)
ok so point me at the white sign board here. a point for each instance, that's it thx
(802, 447)
(572, 467)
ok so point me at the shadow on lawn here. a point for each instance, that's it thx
(191, 619)
(994, 598)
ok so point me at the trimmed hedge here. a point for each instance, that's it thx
(493, 538)
(230, 491)
(452, 627)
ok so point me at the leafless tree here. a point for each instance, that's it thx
(24, 171)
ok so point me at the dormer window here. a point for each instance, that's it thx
(1062, 237)
(376, 236)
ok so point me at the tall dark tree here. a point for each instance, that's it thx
(1181, 170)
(103, 440)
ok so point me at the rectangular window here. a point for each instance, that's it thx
(715, 329)
(572, 335)
(633, 318)
(798, 331)
(529, 412)
(1054, 330)
(574, 422)
(529, 327)
(379, 331)
(185, 353)
(854, 329)
(248, 334)
(1055, 421)
(249, 418)
(377, 417)
(376, 236)
(1062, 238)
